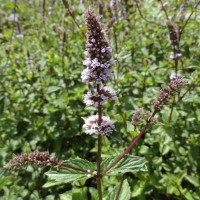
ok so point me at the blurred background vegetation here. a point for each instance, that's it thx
(41, 95)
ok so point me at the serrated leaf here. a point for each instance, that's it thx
(81, 163)
(125, 192)
(129, 163)
(66, 175)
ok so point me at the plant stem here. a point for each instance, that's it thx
(171, 111)
(144, 18)
(99, 167)
(120, 186)
(188, 19)
(164, 9)
(99, 148)
(131, 145)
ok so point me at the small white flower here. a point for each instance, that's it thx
(89, 45)
(93, 40)
(95, 63)
(171, 57)
(115, 3)
(108, 74)
(175, 56)
(109, 93)
(174, 76)
(91, 125)
(13, 17)
(93, 99)
(112, 62)
(103, 50)
(85, 75)
(88, 173)
(87, 62)
(95, 172)
(109, 49)
(179, 55)
(87, 54)
(20, 36)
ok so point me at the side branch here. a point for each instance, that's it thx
(131, 145)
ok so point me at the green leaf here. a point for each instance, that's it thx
(94, 193)
(131, 129)
(53, 89)
(129, 163)
(51, 183)
(175, 115)
(192, 99)
(2, 172)
(188, 195)
(80, 194)
(164, 149)
(66, 175)
(81, 163)
(193, 180)
(66, 196)
(125, 192)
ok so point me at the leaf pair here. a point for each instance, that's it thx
(129, 163)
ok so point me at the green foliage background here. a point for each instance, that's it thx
(41, 96)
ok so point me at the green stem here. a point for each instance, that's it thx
(99, 167)
(98, 177)
(120, 187)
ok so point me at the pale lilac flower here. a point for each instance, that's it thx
(175, 56)
(85, 75)
(20, 36)
(103, 50)
(94, 99)
(98, 52)
(137, 115)
(87, 62)
(93, 40)
(86, 53)
(91, 125)
(167, 92)
(13, 17)
(174, 76)
(115, 3)
(112, 62)
(51, 9)
(34, 158)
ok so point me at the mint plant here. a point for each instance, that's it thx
(97, 73)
